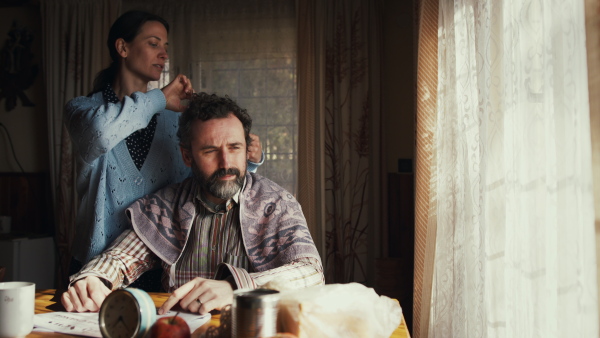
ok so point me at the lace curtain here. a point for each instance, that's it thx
(514, 249)
(247, 50)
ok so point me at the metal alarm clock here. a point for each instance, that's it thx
(128, 312)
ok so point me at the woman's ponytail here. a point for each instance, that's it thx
(105, 77)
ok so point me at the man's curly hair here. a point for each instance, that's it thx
(206, 107)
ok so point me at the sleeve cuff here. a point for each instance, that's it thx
(252, 166)
(79, 276)
(157, 98)
(240, 277)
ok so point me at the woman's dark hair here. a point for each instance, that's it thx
(206, 107)
(126, 27)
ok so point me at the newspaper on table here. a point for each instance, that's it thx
(87, 324)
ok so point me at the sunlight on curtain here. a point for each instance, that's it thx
(425, 179)
(515, 250)
(247, 50)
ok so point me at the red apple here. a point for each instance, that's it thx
(168, 327)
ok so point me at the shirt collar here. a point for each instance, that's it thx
(109, 94)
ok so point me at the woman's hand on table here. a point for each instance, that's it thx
(200, 295)
(85, 295)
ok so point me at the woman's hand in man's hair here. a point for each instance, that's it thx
(179, 89)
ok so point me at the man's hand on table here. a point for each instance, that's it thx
(88, 294)
(212, 294)
(85, 295)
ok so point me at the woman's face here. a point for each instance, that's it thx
(145, 56)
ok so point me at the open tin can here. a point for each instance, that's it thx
(254, 313)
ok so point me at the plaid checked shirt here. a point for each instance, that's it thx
(214, 249)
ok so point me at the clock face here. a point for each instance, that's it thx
(119, 315)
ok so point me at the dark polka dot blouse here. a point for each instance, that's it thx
(139, 142)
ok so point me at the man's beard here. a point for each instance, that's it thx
(220, 189)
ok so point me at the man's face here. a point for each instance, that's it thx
(218, 156)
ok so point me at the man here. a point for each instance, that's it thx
(223, 229)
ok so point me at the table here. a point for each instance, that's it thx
(49, 301)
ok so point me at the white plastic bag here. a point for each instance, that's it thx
(338, 310)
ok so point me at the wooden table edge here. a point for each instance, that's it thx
(48, 300)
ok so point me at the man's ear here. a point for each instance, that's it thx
(121, 47)
(186, 155)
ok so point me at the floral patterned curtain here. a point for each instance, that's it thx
(352, 140)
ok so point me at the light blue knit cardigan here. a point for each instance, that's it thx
(108, 180)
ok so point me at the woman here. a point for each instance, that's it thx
(124, 135)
